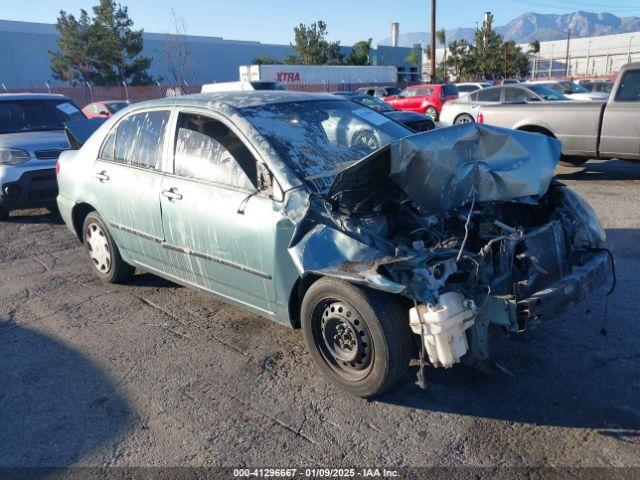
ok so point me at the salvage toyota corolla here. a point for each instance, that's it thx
(316, 212)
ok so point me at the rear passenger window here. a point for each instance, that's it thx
(489, 95)
(207, 150)
(629, 90)
(137, 140)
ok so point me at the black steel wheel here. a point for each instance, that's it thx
(358, 338)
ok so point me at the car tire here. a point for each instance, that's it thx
(568, 161)
(432, 112)
(358, 338)
(463, 118)
(4, 213)
(365, 138)
(103, 251)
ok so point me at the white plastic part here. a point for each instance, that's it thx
(442, 327)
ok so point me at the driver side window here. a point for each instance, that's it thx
(206, 149)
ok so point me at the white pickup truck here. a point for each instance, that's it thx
(586, 129)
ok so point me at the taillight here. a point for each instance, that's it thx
(58, 167)
(480, 118)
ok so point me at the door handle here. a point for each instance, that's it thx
(172, 194)
(102, 176)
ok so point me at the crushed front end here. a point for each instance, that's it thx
(467, 224)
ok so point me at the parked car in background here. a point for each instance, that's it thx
(104, 109)
(241, 86)
(507, 81)
(468, 87)
(595, 84)
(465, 109)
(415, 121)
(586, 129)
(380, 92)
(573, 91)
(257, 198)
(31, 139)
(427, 99)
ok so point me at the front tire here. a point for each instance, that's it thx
(4, 213)
(103, 251)
(359, 339)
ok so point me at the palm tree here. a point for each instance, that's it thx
(534, 47)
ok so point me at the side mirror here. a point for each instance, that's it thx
(268, 184)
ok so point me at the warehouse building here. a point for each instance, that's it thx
(24, 58)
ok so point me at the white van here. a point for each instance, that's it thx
(241, 86)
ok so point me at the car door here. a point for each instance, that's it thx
(126, 181)
(415, 103)
(219, 229)
(620, 135)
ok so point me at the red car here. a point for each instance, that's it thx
(427, 99)
(104, 109)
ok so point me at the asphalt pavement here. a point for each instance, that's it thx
(154, 374)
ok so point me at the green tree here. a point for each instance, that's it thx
(265, 59)
(73, 61)
(360, 53)
(413, 57)
(104, 50)
(313, 48)
(118, 46)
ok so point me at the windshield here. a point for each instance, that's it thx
(393, 91)
(36, 115)
(266, 86)
(605, 87)
(373, 102)
(547, 93)
(116, 106)
(570, 87)
(318, 139)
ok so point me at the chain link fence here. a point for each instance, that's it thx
(83, 95)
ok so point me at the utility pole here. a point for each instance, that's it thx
(432, 72)
(566, 60)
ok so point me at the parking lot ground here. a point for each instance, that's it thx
(153, 374)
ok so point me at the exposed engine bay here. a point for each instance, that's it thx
(477, 236)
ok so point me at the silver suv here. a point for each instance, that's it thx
(31, 139)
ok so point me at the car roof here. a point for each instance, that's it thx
(238, 99)
(32, 96)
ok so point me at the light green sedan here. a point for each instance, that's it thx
(320, 213)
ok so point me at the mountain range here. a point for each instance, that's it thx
(536, 26)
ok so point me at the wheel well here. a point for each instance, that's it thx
(462, 115)
(297, 294)
(78, 214)
(536, 129)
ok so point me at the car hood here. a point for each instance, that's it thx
(446, 168)
(404, 116)
(33, 141)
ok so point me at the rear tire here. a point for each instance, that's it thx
(4, 213)
(103, 251)
(358, 338)
(464, 118)
(572, 161)
(432, 112)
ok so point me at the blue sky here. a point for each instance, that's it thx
(272, 21)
